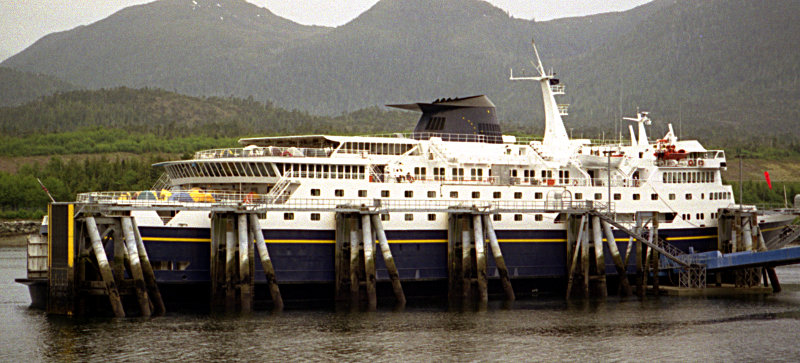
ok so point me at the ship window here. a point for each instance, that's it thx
(431, 217)
(288, 216)
(409, 194)
(598, 196)
(654, 196)
(255, 170)
(362, 193)
(234, 169)
(538, 218)
(518, 217)
(458, 174)
(339, 192)
(476, 195)
(438, 173)
(315, 216)
(420, 173)
(409, 217)
(636, 196)
(671, 196)
(454, 195)
(517, 195)
(497, 217)
(702, 195)
(347, 172)
(688, 196)
(385, 217)
(431, 194)
(578, 196)
(384, 194)
(476, 174)
(497, 195)
(340, 171)
(315, 192)
(617, 196)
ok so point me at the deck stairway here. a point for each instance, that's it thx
(282, 190)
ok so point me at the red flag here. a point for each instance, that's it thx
(769, 183)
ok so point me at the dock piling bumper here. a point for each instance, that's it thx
(369, 261)
(266, 262)
(132, 252)
(622, 274)
(105, 269)
(499, 261)
(480, 260)
(388, 259)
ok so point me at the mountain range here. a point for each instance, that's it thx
(726, 68)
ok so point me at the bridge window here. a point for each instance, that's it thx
(458, 174)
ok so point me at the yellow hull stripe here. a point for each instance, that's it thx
(169, 239)
(690, 237)
(541, 240)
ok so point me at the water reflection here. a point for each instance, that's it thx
(540, 328)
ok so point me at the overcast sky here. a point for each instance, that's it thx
(22, 22)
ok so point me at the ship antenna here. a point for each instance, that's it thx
(539, 67)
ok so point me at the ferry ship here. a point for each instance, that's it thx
(456, 155)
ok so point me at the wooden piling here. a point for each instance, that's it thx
(245, 293)
(136, 268)
(600, 262)
(369, 261)
(466, 262)
(480, 260)
(388, 259)
(266, 262)
(149, 276)
(576, 252)
(455, 272)
(656, 258)
(230, 264)
(585, 258)
(773, 279)
(622, 273)
(118, 267)
(105, 269)
(499, 261)
(354, 267)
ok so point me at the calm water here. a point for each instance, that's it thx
(663, 329)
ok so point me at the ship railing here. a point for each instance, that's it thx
(207, 199)
(557, 89)
(263, 151)
(444, 136)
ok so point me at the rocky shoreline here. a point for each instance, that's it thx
(16, 228)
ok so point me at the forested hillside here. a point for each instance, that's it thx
(171, 115)
(17, 87)
(719, 68)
